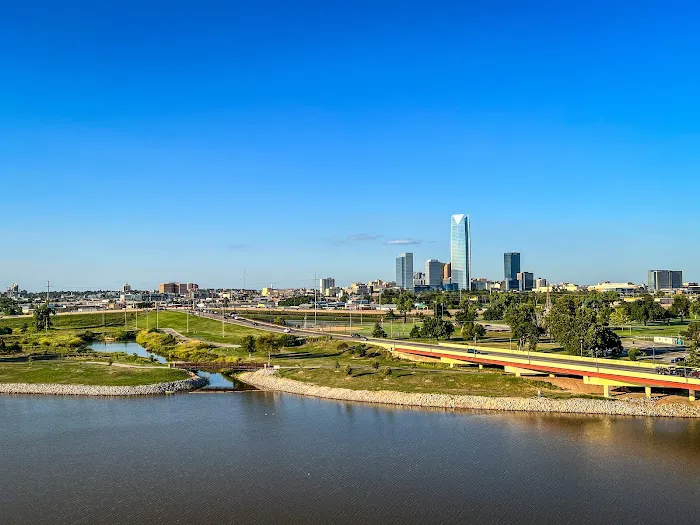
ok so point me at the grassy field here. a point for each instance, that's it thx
(79, 373)
(481, 383)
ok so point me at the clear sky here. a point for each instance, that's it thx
(192, 141)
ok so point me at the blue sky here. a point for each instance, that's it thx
(149, 141)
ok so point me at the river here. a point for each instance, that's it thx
(258, 457)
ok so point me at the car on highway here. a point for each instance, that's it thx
(236, 318)
(287, 330)
(363, 338)
(355, 335)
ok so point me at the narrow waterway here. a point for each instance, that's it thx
(216, 380)
(261, 457)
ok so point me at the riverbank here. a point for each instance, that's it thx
(268, 380)
(99, 390)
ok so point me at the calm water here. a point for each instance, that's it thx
(126, 347)
(215, 380)
(266, 458)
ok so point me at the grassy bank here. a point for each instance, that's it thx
(481, 383)
(80, 373)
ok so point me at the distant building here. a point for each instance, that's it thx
(620, 288)
(404, 271)
(126, 288)
(359, 289)
(168, 288)
(480, 285)
(326, 284)
(511, 266)
(433, 273)
(418, 279)
(526, 281)
(540, 283)
(176, 288)
(460, 250)
(446, 272)
(665, 280)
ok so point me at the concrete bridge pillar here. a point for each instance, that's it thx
(481, 367)
(692, 394)
(606, 390)
(552, 375)
(647, 391)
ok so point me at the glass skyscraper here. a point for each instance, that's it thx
(511, 266)
(460, 251)
(404, 271)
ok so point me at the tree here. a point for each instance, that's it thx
(620, 315)
(472, 330)
(390, 315)
(248, 344)
(9, 307)
(42, 317)
(268, 343)
(695, 308)
(579, 325)
(279, 320)
(466, 313)
(378, 332)
(646, 309)
(415, 332)
(404, 303)
(24, 328)
(633, 353)
(436, 328)
(681, 306)
(522, 320)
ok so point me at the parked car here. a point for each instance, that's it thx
(356, 335)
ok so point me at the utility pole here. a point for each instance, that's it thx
(315, 302)
(157, 308)
(46, 322)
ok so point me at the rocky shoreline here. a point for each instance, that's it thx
(268, 380)
(94, 390)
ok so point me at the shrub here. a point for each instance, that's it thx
(387, 371)
(633, 353)
(375, 365)
(5, 330)
(343, 346)
(348, 370)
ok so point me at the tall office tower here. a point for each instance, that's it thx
(326, 284)
(665, 280)
(433, 272)
(404, 271)
(525, 281)
(511, 265)
(460, 250)
(446, 271)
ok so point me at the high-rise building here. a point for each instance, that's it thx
(446, 272)
(326, 284)
(404, 271)
(665, 280)
(540, 282)
(511, 265)
(460, 250)
(526, 281)
(168, 287)
(433, 273)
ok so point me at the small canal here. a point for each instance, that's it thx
(217, 381)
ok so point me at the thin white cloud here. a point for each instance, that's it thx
(405, 242)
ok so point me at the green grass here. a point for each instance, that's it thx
(79, 373)
(481, 383)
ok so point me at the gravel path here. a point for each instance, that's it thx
(268, 380)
